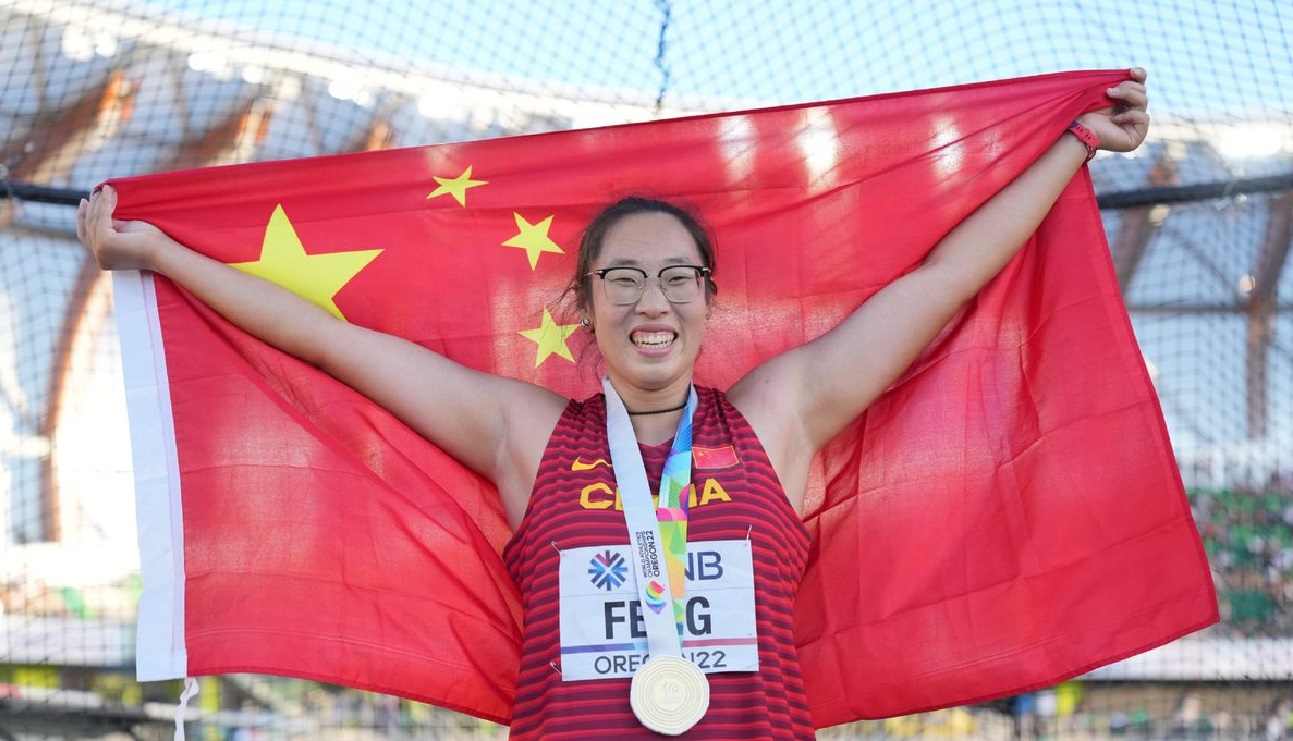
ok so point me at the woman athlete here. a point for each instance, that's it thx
(643, 289)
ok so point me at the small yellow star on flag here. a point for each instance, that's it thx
(315, 278)
(533, 238)
(456, 187)
(551, 339)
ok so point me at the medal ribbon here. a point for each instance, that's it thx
(657, 537)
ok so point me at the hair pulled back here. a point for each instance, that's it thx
(590, 246)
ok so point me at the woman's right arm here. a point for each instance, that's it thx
(496, 426)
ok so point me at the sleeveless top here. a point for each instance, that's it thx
(736, 495)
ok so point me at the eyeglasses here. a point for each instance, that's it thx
(625, 285)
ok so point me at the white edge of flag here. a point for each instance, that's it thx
(160, 650)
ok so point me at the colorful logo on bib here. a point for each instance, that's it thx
(655, 598)
(608, 570)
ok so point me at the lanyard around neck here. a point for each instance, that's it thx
(657, 536)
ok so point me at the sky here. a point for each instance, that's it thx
(1203, 56)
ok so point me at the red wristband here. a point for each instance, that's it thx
(1087, 137)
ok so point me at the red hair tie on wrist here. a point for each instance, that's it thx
(1087, 137)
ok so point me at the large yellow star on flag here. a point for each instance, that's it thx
(551, 339)
(315, 278)
(533, 238)
(456, 187)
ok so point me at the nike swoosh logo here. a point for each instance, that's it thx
(578, 464)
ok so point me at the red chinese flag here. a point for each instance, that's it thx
(1008, 515)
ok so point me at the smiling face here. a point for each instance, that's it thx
(650, 347)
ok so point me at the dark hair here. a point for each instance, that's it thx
(590, 246)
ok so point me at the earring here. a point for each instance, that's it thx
(584, 322)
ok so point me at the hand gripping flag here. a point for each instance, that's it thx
(1006, 516)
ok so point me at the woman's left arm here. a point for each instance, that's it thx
(802, 398)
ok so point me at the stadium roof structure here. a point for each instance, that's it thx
(1147, 198)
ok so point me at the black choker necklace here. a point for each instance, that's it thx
(660, 411)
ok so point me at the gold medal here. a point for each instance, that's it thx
(669, 694)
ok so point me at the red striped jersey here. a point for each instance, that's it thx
(736, 495)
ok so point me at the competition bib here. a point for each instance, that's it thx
(603, 625)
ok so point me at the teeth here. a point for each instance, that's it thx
(652, 339)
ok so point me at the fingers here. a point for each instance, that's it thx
(1137, 117)
(1130, 94)
(94, 219)
(80, 220)
(1133, 94)
(1131, 101)
(102, 203)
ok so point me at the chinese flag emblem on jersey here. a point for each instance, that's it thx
(1008, 515)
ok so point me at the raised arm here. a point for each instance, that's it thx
(496, 426)
(799, 400)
